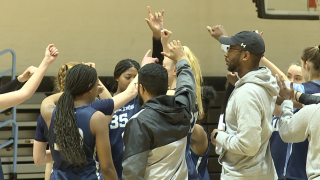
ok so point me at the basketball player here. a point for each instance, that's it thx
(200, 143)
(124, 73)
(106, 106)
(77, 132)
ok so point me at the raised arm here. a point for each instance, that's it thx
(273, 68)
(48, 104)
(103, 91)
(14, 98)
(185, 95)
(165, 36)
(99, 126)
(155, 23)
(14, 84)
(307, 99)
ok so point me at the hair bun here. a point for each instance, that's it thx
(319, 47)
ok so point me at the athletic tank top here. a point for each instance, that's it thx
(116, 126)
(200, 162)
(192, 172)
(62, 169)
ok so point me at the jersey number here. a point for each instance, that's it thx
(119, 121)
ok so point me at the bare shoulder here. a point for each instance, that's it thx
(98, 122)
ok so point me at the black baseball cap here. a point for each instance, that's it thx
(248, 40)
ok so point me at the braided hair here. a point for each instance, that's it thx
(59, 80)
(121, 67)
(79, 80)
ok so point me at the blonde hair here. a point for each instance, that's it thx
(60, 79)
(194, 64)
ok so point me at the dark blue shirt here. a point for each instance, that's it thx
(116, 126)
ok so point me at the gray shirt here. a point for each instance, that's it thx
(300, 126)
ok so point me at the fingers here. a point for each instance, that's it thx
(169, 46)
(283, 84)
(165, 54)
(291, 86)
(155, 59)
(148, 21)
(278, 80)
(147, 54)
(156, 15)
(162, 12)
(49, 46)
(165, 33)
(149, 12)
(209, 29)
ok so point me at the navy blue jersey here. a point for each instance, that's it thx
(290, 158)
(1, 172)
(105, 106)
(41, 130)
(200, 162)
(116, 126)
(64, 170)
(192, 172)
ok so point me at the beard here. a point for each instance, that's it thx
(234, 63)
(140, 100)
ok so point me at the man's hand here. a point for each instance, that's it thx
(25, 76)
(147, 60)
(51, 53)
(285, 92)
(165, 35)
(213, 140)
(232, 78)
(176, 52)
(155, 23)
(217, 31)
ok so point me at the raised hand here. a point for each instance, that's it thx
(232, 78)
(155, 22)
(91, 64)
(176, 52)
(165, 35)
(100, 88)
(217, 31)
(147, 60)
(51, 53)
(25, 76)
(285, 92)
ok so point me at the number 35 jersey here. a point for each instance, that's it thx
(116, 126)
